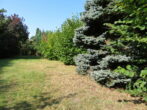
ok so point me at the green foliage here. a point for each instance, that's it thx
(28, 48)
(64, 48)
(99, 62)
(129, 71)
(131, 39)
(46, 47)
(115, 36)
(131, 31)
(13, 32)
(144, 73)
(58, 45)
(139, 87)
(38, 35)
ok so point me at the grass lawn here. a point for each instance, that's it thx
(30, 83)
(21, 80)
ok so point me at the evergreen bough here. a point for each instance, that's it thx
(99, 62)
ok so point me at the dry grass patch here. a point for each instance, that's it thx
(85, 93)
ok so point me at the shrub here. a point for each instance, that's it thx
(58, 45)
(138, 87)
(64, 48)
(46, 47)
(28, 48)
(110, 79)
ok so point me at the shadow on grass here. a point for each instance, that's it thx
(135, 101)
(7, 61)
(27, 57)
(4, 87)
(3, 63)
(41, 102)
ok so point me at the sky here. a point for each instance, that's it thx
(43, 14)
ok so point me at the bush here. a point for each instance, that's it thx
(28, 48)
(110, 79)
(64, 48)
(46, 45)
(58, 45)
(138, 87)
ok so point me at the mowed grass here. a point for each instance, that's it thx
(20, 81)
(30, 83)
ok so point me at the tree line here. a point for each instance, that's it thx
(58, 44)
(13, 33)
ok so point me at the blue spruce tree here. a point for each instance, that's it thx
(99, 62)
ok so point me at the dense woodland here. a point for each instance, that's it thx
(13, 33)
(108, 42)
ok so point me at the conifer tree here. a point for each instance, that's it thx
(99, 61)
